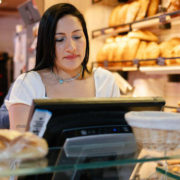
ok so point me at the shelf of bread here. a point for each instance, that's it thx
(140, 50)
(134, 65)
(145, 23)
(139, 14)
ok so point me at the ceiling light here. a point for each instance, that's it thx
(0, 1)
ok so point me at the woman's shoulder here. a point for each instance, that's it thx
(26, 87)
(29, 76)
(29, 80)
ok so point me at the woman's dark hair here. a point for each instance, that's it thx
(45, 51)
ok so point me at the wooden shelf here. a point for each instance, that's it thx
(146, 22)
(160, 68)
(148, 69)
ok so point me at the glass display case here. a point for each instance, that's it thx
(113, 158)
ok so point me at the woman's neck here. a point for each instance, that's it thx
(64, 73)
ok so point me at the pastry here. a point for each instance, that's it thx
(17, 145)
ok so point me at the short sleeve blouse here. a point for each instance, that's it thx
(29, 86)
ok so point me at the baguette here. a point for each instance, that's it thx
(17, 145)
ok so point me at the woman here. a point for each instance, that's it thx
(61, 66)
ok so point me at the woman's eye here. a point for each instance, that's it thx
(76, 37)
(59, 39)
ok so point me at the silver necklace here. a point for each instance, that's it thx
(61, 81)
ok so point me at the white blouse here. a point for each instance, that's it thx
(29, 86)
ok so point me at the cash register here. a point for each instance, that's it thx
(87, 122)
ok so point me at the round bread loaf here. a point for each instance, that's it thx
(17, 145)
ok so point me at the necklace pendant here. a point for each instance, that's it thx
(61, 81)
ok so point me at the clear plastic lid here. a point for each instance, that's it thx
(153, 119)
(100, 145)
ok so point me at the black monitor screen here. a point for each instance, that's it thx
(89, 116)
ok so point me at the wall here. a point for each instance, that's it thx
(40, 5)
(7, 33)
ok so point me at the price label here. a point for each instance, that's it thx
(39, 121)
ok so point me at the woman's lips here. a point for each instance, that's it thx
(71, 57)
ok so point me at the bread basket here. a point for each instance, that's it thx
(155, 130)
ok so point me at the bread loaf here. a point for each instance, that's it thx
(121, 46)
(131, 49)
(143, 35)
(132, 11)
(102, 54)
(17, 145)
(111, 51)
(109, 40)
(141, 50)
(166, 49)
(152, 51)
(143, 9)
(121, 15)
(175, 53)
(153, 7)
(174, 5)
(113, 16)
